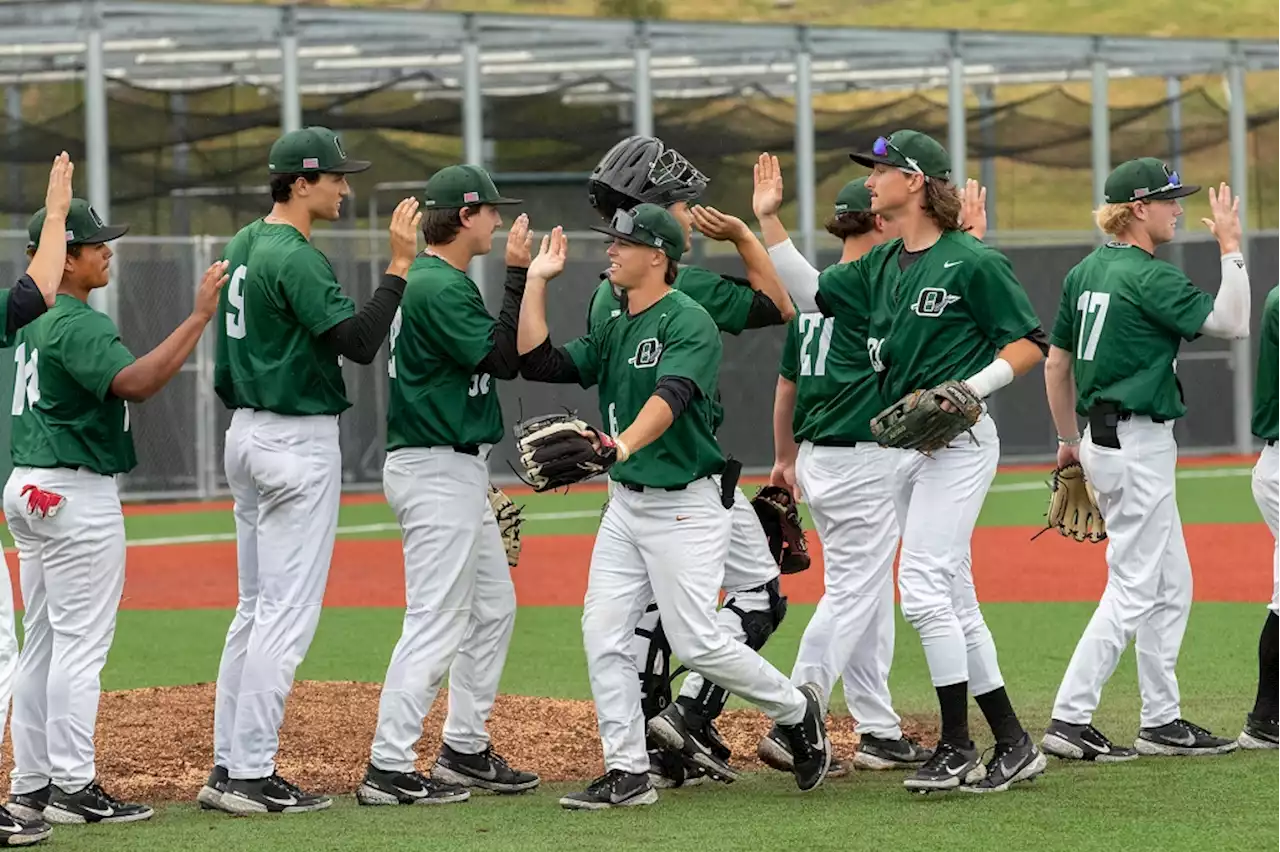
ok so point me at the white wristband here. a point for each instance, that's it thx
(991, 378)
(623, 451)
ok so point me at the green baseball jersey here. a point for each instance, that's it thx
(627, 357)
(727, 301)
(1123, 316)
(64, 414)
(1266, 410)
(440, 333)
(837, 392)
(945, 316)
(281, 297)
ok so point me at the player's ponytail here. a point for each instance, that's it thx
(1114, 219)
(942, 204)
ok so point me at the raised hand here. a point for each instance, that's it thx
(1225, 224)
(404, 236)
(57, 198)
(520, 242)
(973, 208)
(766, 200)
(717, 225)
(210, 286)
(552, 255)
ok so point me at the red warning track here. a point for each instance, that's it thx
(1231, 563)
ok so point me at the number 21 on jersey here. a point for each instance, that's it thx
(815, 364)
(1093, 314)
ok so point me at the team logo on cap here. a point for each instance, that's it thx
(337, 145)
(97, 220)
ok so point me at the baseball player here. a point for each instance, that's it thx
(1260, 728)
(284, 326)
(683, 743)
(826, 397)
(666, 533)
(1115, 342)
(446, 356)
(70, 438)
(947, 318)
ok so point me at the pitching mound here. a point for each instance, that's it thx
(156, 744)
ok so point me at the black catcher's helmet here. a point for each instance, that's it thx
(639, 170)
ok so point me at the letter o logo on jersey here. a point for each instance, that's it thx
(932, 301)
(647, 354)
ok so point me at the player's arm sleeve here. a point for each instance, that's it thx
(1170, 300)
(92, 353)
(691, 350)
(797, 275)
(677, 392)
(312, 291)
(763, 312)
(20, 305)
(460, 324)
(1063, 335)
(838, 294)
(584, 352)
(360, 337)
(1229, 319)
(789, 369)
(998, 302)
(547, 363)
(728, 300)
(503, 360)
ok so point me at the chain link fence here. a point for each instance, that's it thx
(180, 432)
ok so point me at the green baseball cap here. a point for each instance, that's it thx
(647, 225)
(910, 150)
(1145, 179)
(312, 150)
(462, 186)
(854, 197)
(84, 226)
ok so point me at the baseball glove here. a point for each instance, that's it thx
(919, 422)
(781, 521)
(507, 514)
(1073, 512)
(555, 450)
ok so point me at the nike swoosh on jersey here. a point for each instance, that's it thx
(950, 263)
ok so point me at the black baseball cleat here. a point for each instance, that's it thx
(809, 745)
(671, 730)
(949, 768)
(30, 806)
(15, 831)
(1183, 739)
(382, 787)
(1010, 763)
(486, 770)
(91, 804)
(1258, 734)
(1083, 742)
(210, 795)
(614, 789)
(668, 769)
(270, 795)
(774, 751)
(876, 753)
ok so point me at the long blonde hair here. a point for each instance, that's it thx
(1115, 219)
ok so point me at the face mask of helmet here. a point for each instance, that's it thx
(642, 169)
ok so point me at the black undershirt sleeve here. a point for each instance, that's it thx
(1040, 339)
(763, 312)
(360, 337)
(26, 302)
(822, 305)
(547, 363)
(677, 392)
(503, 361)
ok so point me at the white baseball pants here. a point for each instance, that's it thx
(1148, 591)
(460, 603)
(285, 474)
(72, 573)
(851, 632)
(937, 501)
(1266, 493)
(748, 566)
(669, 546)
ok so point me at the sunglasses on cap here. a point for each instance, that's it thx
(623, 222)
(881, 149)
(1175, 182)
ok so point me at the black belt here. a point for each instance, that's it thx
(1103, 417)
(1271, 442)
(640, 489)
(466, 449)
(1110, 408)
(835, 442)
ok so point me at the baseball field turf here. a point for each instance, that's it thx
(1037, 597)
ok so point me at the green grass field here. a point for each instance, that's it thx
(1166, 804)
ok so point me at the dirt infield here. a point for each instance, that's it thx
(1230, 563)
(327, 752)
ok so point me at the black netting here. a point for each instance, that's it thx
(194, 161)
